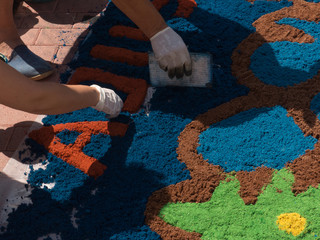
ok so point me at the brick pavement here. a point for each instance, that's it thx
(51, 30)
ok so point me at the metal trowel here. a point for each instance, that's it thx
(201, 73)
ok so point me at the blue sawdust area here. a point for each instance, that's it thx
(145, 159)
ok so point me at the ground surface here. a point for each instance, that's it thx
(237, 161)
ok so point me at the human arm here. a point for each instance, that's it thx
(168, 46)
(143, 14)
(22, 93)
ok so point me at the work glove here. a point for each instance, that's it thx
(109, 102)
(172, 53)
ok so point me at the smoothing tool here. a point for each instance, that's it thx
(201, 73)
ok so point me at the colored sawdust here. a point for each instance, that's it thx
(149, 185)
(73, 153)
(226, 216)
(292, 223)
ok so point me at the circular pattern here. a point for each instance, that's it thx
(254, 138)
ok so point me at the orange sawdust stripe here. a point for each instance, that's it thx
(73, 153)
(128, 32)
(184, 10)
(134, 87)
(158, 4)
(185, 7)
(122, 55)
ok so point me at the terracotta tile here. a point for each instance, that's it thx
(41, 7)
(25, 8)
(46, 52)
(13, 116)
(19, 18)
(19, 133)
(54, 37)
(84, 20)
(85, 6)
(29, 36)
(5, 136)
(47, 21)
(65, 54)
(4, 158)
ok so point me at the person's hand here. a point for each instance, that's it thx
(109, 102)
(172, 53)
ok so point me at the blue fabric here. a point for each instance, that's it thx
(27, 63)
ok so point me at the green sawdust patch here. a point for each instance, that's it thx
(226, 215)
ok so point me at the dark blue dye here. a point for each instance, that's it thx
(145, 159)
(61, 174)
(68, 137)
(98, 146)
(315, 105)
(254, 138)
(285, 63)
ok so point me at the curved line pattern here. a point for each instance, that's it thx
(206, 177)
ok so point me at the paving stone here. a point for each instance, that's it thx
(58, 37)
(65, 54)
(48, 21)
(17, 136)
(84, 6)
(29, 36)
(46, 52)
(5, 136)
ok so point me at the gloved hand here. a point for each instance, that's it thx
(109, 102)
(172, 53)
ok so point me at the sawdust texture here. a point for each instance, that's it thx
(306, 171)
(252, 183)
(129, 32)
(73, 153)
(296, 99)
(122, 55)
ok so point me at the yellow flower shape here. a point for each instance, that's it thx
(292, 223)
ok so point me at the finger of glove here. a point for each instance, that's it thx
(113, 103)
(172, 63)
(163, 64)
(167, 63)
(183, 63)
(171, 72)
(179, 71)
(182, 59)
(179, 59)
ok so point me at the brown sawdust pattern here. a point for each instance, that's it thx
(73, 153)
(296, 99)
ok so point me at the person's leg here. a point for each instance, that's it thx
(9, 37)
(13, 48)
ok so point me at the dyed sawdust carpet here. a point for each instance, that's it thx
(240, 160)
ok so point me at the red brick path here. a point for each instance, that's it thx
(51, 30)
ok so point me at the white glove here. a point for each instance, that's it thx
(109, 102)
(172, 53)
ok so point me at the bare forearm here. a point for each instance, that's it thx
(19, 92)
(143, 14)
(58, 98)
